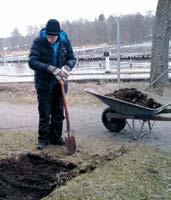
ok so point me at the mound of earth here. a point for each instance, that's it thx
(32, 177)
(132, 95)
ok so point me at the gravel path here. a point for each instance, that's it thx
(86, 122)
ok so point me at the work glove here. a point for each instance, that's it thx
(55, 71)
(65, 72)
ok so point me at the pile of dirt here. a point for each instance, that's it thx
(32, 177)
(132, 95)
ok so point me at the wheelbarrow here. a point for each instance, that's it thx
(116, 116)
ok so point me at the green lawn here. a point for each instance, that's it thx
(142, 173)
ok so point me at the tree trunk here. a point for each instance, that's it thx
(160, 48)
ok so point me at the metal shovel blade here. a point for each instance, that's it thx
(70, 142)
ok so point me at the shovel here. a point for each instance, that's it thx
(69, 137)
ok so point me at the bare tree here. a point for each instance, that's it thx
(135, 28)
(160, 47)
(15, 40)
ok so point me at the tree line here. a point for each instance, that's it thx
(134, 28)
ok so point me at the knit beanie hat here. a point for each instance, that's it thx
(52, 27)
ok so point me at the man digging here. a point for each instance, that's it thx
(51, 57)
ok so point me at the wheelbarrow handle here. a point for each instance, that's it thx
(64, 101)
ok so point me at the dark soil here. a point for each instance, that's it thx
(132, 95)
(32, 177)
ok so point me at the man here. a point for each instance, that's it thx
(51, 57)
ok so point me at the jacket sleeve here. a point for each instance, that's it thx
(34, 58)
(71, 60)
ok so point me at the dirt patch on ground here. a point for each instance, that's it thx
(32, 177)
(17, 92)
(18, 88)
(133, 95)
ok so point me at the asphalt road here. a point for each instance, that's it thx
(86, 122)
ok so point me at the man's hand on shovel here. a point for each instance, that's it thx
(65, 72)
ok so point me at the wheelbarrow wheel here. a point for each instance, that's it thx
(115, 124)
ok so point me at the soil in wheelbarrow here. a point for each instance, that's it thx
(135, 96)
(31, 176)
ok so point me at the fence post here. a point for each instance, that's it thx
(107, 62)
(118, 51)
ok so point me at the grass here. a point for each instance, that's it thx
(140, 174)
(134, 173)
(24, 93)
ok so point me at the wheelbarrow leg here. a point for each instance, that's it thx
(137, 134)
(142, 126)
(132, 128)
(128, 125)
(149, 125)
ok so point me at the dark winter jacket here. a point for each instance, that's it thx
(42, 54)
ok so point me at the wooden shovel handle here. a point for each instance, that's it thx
(65, 105)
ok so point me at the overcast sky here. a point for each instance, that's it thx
(22, 13)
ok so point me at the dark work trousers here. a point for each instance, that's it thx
(51, 115)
